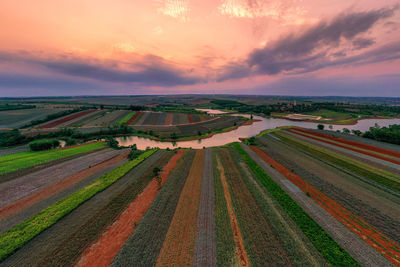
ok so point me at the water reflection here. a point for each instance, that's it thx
(247, 131)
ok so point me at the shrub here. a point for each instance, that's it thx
(320, 126)
(40, 145)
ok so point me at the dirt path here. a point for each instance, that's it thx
(241, 254)
(205, 250)
(101, 253)
(355, 246)
(178, 246)
(21, 204)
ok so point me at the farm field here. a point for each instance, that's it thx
(293, 197)
(18, 118)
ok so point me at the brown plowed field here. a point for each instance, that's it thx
(377, 240)
(106, 248)
(169, 119)
(178, 246)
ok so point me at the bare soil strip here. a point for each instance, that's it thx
(205, 251)
(262, 246)
(356, 247)
(373, 161)
(354, 147)
(241, 253)
(377, 240)
(143, 247)
(363, 199)
(23, 186)
(142, 118)
(134, 118)
(101, 253)
(390, 153)
(65, 119)
(179, 243)
(169, 119)
(23, 203)
(41, 250)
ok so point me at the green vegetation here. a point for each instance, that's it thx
(25, 231)
(330, 250)
(28, 159)
(46, 144)
(242, 107)
(125, 119)
(320, 126)
(389, 134)
(272, 130)
(380, 176)
(15, 107)
(224, 242)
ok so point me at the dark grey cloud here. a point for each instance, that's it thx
(303, 51)
(150, 71)
(361, 43)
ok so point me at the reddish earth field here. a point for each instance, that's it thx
(364, 148)
(373, 237)
(134, 118)
(353, 143)
(169, 119)
(67, 118)
(21, 204)
(190, 118)
(107, 247)
(178, 246)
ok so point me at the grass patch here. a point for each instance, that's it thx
(322, 241)
(24, 160)
(20, 234)
(125, 119)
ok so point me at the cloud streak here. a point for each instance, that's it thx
(313, 47)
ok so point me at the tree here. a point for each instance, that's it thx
(320, 126)
(346, 131)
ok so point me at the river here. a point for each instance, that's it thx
(246, 131)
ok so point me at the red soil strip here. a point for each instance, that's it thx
(169, 119)
(110, 243)
(353, 143)
(178, 246)
(26, 202)
(190, 118)
(385, 246)
(67, 118)
(335, 143)
(241, 254)
(134, 118)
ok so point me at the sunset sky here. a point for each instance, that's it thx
(287, 47)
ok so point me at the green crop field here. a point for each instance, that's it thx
(28, 159)
(25, 231)
(126, 118)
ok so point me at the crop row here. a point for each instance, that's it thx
(372, 236)
(293, 240)
(25, 231)
(71, 248)
(330, 250)
(65, 119)
(371, 153)
(125, 119)
(178, 246)
(225, 243)
(380, 176)
(143, 247)
(29, 160)
(261, 244)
